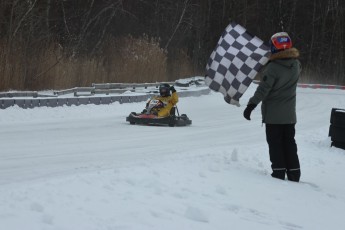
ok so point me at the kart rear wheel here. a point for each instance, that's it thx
(184, 117)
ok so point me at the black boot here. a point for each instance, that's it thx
(279, 174)
(293, 174)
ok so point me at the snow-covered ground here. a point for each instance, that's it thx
(85, 168)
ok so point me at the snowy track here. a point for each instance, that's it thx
(86, 168)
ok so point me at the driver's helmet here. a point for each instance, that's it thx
(280, 41)
(164, 90)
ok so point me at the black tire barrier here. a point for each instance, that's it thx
(337, 128)
(340, 145)
(337, 133)
(338, 117)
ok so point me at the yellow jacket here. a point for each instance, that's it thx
(169, 103)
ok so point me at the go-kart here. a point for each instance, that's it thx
(148, 118)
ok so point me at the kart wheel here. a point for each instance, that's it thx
(172, 121)
(184, 117)
(132, 122)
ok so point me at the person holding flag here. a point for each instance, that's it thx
(277, 92)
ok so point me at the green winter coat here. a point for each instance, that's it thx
(277, 89)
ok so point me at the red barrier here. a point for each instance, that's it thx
(320, 86)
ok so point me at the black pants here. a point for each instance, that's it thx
(283, 151)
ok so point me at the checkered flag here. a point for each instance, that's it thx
(235, 62)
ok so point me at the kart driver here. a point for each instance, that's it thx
(166, 100)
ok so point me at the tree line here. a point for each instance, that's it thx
(66, 43)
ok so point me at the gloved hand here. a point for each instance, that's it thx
(172, 88)
(248, 111)
(144, 111)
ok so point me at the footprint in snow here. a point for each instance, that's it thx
(47, 219)
(36, 207)
(312, 185)
(196, 214)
